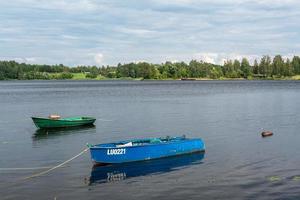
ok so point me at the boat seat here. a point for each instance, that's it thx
(129, 144)
(155, 140)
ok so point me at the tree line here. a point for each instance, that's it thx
(266, 67)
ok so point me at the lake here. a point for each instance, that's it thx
(228, 115)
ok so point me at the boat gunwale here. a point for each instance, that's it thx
(69, 119)
(96, 147)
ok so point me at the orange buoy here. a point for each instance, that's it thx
(266, 133)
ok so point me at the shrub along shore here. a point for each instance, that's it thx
(266, 68)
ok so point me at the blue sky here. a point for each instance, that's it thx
(90, 32)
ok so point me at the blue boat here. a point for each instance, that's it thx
(144, 149)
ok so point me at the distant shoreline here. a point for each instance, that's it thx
(277, 68)
(81, 76)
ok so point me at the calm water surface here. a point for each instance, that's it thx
(228, 115)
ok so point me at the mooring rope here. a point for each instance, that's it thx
(105, 120)
(55, 167)
(23, 168)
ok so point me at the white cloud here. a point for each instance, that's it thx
(73, 31)
(70, 5)
(140, 32)
(220, 58)
(29, 60)
(207, 57)
(98, 58)
(71, 37)
(224, 2)
(63, 5)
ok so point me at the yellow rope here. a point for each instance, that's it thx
(55, 167)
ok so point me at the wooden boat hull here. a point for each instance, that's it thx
(63, 122)
(110, 153)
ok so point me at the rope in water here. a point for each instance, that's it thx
(55, 167)
(105, 120)
(23, 168)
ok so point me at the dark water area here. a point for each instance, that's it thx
(228, 115)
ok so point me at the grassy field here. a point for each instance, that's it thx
(296, 77)
(78, 76)
(81, 76)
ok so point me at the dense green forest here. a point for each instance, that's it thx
(265, 68)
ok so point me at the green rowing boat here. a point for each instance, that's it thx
(58, 122)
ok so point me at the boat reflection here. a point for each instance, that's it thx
(117, 172)
(50, 133)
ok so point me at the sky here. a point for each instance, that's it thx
(108, 32)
